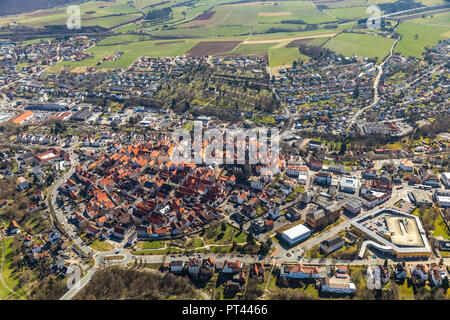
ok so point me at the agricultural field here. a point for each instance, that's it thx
(363, 45)
(258, 48)
(415, 37)
(440, 18)
(104, 14)
(212, 48)
(130, 53)
(349, 13)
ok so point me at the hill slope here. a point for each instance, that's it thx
(8, 7)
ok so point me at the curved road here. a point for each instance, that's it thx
(376, 96)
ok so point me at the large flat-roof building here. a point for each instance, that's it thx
(395, 232)
(420, 198)
(296, 234)
(349, 185)
(445, 178)
(442, 198)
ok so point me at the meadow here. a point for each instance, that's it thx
(415, 37)
(104, 14)
(130, 53)
(363, 45)
(440, 18)
(349, 13)
(284, 56)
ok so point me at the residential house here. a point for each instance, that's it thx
(299, 271)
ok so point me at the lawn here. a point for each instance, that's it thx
(440, 229)
(215, 235)
(415, 37)
(151, 244)
(283, 56)
(10, 277)
(4, 292)
(196, 243)
(101, 245)
(157, 251)
(363, 45)
(405, 292)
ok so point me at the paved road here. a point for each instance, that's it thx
(376, 97)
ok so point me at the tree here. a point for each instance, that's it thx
(445, 283)
(253, 290)
(223, 226)
(251, 238)
(386, 263)
(343, 149)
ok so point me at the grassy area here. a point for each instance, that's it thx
(440, 229)
(433, 219)
(196, 243)
(10, 276)
(131, 52)
(101, 245)
(284, 56)
(253, 48)
(157, 251)
(91, 13)
(349, 13)
(362, 45)
(151, 244)
(5, 293)
(415, 37)
(405, 292)
(215, 235)
(440, 18)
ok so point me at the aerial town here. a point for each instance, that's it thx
(359, 207)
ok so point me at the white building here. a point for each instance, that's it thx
(442, 198)
(445, 178)
(349, 185)
(296, 234)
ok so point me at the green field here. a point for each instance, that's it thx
(104, 14)
(426, 36)
(9, 275)
(4, 292)
(283, 56)
(215, 235)
(130, 53)
(440, 18)
(253, 48)
(101, 245)
(363, 45)
(349, 13)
